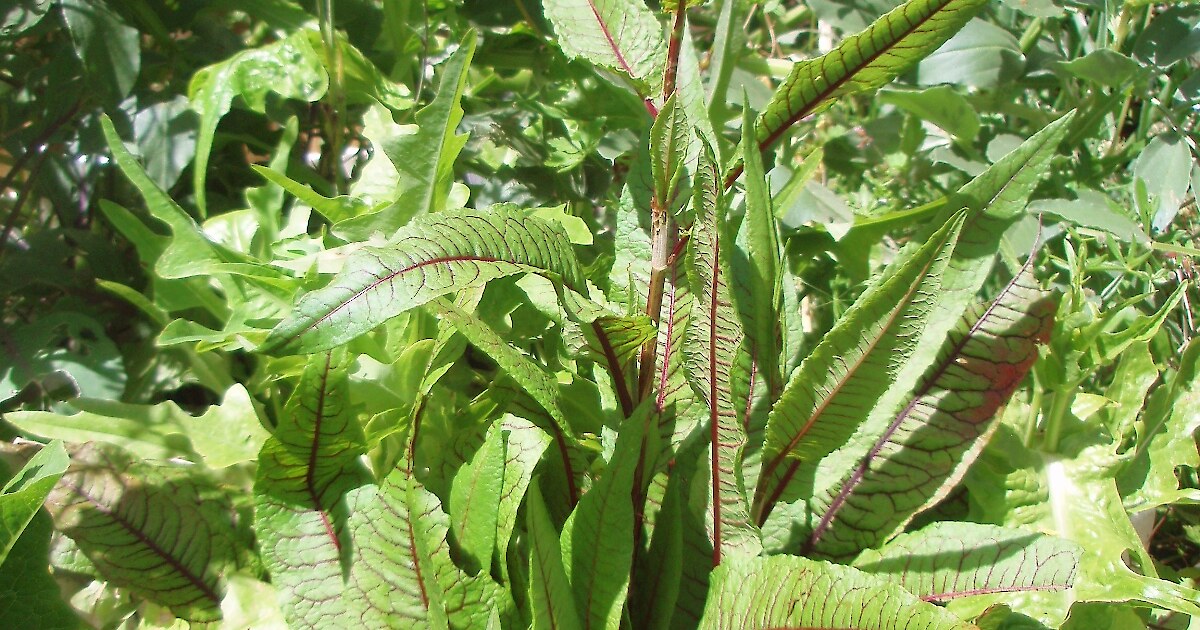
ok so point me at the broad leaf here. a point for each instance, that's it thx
(792, 592)
(432, 256)
(717, 364)
(884, 50)
(835, 388)
(24, 493)
(424, 158)
(949, 560)
(133, 519)
(939, 432)
(621, 35)
(304, 470)
(550, 596)
(401, 574)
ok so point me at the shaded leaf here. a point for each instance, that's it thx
(950, 560)
(550, 596)
(792, 592)
(25, 492)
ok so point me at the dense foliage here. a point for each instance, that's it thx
(599, 314)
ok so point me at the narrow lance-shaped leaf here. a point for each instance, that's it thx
(939, 432)
(526, 445)
(793, 592)
(950, 560)
(475, 500)
(432, 256)
(423, 160)
(550, 596)
(304, 470)
(756, 263)
(597, 545)
(865, 61)
(672, 151)
(621, 35)
(25, 491)
(133, 519)
(835, 388)
(717, 364)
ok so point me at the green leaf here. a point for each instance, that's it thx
(133, 520)
(25, 492)
(290, 67)
(950, 560)
(981, 55)
(401, 573)
(224, 435)
(717, 365)
(334, 209)
(550, 596)
(475, 499)
(109, 48)
(621, 35)
(672, 151)
(189, 252)
(432, 256)
(1104, 67)
(525, 446)
(423, 158)
(530, 376)
(792, 592)
(930, 442)
(1166, 166)
(597, 546)
(304, 470)
(836, 387)
(884, 50)
(941, 105)
(756, 265)
(29, 594)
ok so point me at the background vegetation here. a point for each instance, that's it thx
(177, 175)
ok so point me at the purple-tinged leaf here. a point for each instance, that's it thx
(950, 560)
(304, 470)
(717, 365)
(133, 519)
(789, 592)
(940, 431)
(620, 35)
(550, 596)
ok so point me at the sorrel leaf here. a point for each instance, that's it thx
(132, 519)
(865, 61)
(550, 596)
(835, 388)
(793, 592)
(939, 432)
(432, 256)
(717, 364)
(950, 560)
(621, 35)
(305, 468)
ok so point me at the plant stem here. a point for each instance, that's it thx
(337, 93)
(1060, 404)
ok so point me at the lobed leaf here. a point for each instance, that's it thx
(950, 560)
(865, 61)
(432, 256)
(933, 439)
(424, 159)
(164, 533)
(304, 470)
(716, 364)
(793, 592)
(621, 35)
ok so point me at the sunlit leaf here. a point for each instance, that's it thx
(621, 35)
(24, 493)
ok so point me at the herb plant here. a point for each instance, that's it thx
(556, 321)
